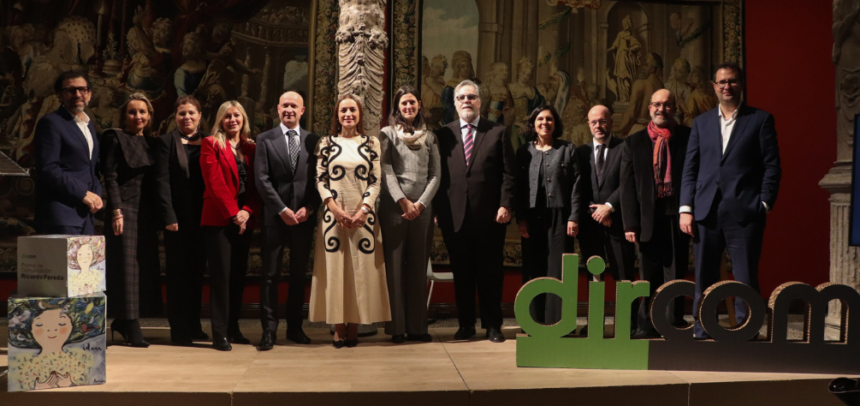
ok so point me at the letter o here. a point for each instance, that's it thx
(708, 311)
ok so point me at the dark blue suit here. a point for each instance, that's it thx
(64, 174)
(726, 191)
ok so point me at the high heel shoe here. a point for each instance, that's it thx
(130, 332)
(351, 342)
(117, 326)
(338, 343)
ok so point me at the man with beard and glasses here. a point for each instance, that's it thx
(66, 147)
(652, 161)
(472, 206)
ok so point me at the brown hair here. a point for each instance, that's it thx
(186, 100)
(335, 123)
(147, 131)
(396, 118)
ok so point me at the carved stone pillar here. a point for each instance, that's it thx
(362, 43)
(264, 80)
(246, 79)
(489, 31)
(844, 259)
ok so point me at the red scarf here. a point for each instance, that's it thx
(662, 158)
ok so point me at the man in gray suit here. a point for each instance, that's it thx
(285, 170)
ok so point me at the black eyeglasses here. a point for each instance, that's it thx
(75, 90)
(728, 82)
(470, 97)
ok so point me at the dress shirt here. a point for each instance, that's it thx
(285, 130)
(726, 127)
(465, 130)
(605, 154)
(83, 124)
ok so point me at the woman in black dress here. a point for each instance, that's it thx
(547, 204)
(132, 240)
(179, 186)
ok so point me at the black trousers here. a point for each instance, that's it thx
(228, 265)
(299, 238)
(609, 244)
(185, 257)
(663, 258)
(542, 256)
(719, 232)
(476, 260)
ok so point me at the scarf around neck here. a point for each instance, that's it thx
(414, 140)
(662, 158)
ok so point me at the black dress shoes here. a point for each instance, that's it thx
(398, 338)
(351, 342)
(221, 344)
(495, 335)
(268, 341)
(182, 342)
(424, 338)
(238, 338)
(199, 335)
(645, 334)
(298, 337)
(464, 333)
(338, 343)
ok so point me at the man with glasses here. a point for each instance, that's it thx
(652, 162)
(730, 182)
(472, 207)
(66, 148)
(601, 231)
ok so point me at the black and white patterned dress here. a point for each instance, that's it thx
(349, 283)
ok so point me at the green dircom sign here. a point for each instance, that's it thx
(546, 346)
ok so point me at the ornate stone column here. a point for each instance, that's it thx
(362, 43)
(844, 259)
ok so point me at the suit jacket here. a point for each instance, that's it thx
(172, 177)
(594, 191)
(127, 167)
(278, 185)
(638, 194)
(486, 184)
(562, 170)
(747, 174)
(221, 176)
(64, 170)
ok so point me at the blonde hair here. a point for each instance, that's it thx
(219, 133)
(137, 97)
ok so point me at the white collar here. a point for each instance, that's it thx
(284, 129)
(78, 119)
(473, 123)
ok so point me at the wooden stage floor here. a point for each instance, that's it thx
(378, 372)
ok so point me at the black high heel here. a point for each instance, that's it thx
(117, 326)
(133, 336)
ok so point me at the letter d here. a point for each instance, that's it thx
(566, 289)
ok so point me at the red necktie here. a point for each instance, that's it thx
(467, 144)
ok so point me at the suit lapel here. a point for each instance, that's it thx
(73, 126)
(303, 153)
(480, 131)
(282, 150)
(596, 186)
(458, 155)
(180, 153)
(737, 131)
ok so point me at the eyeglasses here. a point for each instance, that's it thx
(596, 122)
(75, 90)
(464, 97)
(658, 105)
(723, 83)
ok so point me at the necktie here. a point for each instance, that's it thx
(601, 160)
(468, 143)
(294, 149)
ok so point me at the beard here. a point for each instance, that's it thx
(467, 114)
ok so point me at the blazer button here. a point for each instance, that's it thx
(549, 195)
(548, 180)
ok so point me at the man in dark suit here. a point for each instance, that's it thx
(285, 170)
(730, 182)
(66, 148)
(472, 206)
(652, 163)
(602, 233)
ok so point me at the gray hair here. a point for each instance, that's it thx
(465, 83)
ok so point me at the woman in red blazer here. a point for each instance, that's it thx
(229, 205)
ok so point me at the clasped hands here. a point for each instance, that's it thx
(344, 220)
(411, 211)
(241, 220)
(292, 218)
(602, 214)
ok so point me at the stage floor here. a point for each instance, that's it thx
(378, 372)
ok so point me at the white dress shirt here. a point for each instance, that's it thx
(83, 124)
(465, 130)
(285, 130)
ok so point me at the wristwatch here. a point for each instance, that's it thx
(365, 210)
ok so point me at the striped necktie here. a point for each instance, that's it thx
(468, 143)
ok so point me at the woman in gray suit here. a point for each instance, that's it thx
(547, 204)
(410, 173)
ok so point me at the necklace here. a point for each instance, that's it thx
(237, 146)
(190, 138)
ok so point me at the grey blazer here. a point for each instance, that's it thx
(276, 183)
(413, 174)
(562, 172)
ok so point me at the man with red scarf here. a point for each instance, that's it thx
(652, 162)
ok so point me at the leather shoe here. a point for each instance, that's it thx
(338, 343)
(221, 344)
(268, 341)
(298, 337)
(464, 333)
(495, 335)
(182, 342)
(424, 338)
(238, 338)
(644, 334)
(351, 342)
(398, 338)
(199, 335)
